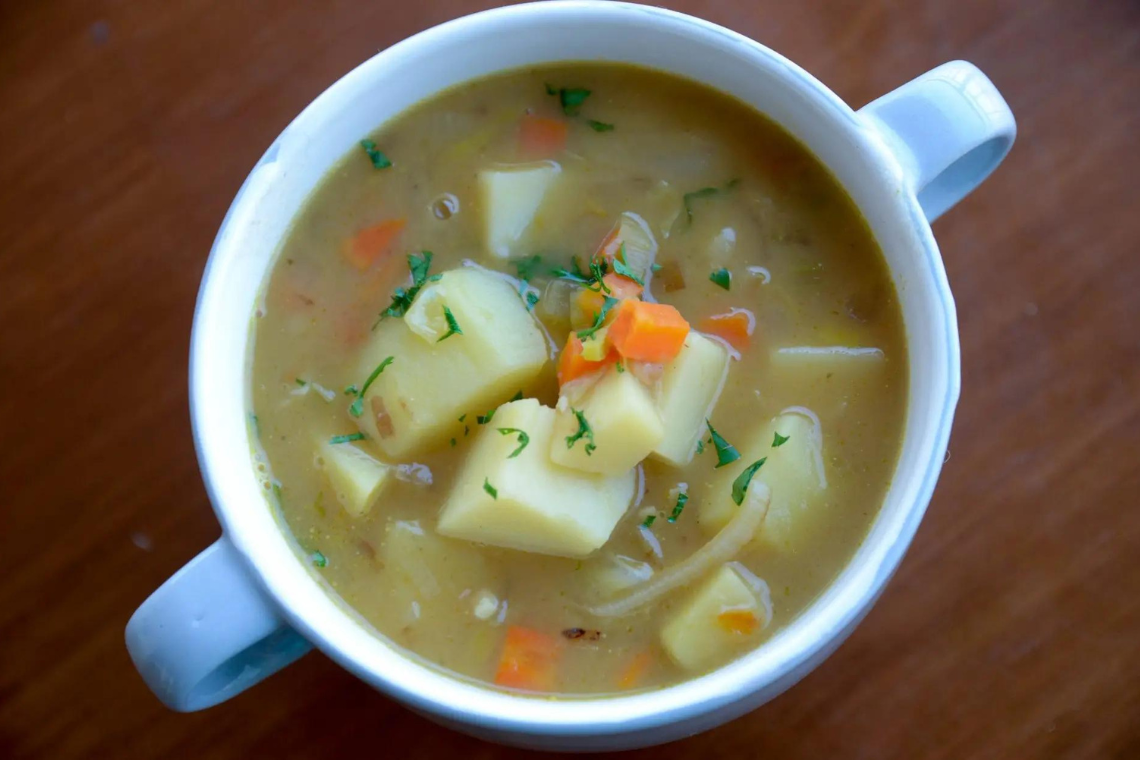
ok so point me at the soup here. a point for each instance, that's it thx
(579, 379)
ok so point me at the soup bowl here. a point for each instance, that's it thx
(248, 605)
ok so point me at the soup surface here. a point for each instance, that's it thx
(530, 456)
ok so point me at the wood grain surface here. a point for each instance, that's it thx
(1012, 629)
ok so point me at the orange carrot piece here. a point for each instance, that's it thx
(635, 670)
(590, 301)
(740, 622)
(540, 137)
(734, 326)
(571, 364)
(373, 243)
(611, 244)
(648, 332)
(529, 660)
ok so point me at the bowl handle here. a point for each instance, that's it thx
(948, 129)
(209, 632)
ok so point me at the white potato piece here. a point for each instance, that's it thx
(415, 404)
(425, 575)
(357, 478)
(724, 616)
(793, 472)
(848, 370)
(624, 420)
(510, 197)
(690, 387)
(538, 506)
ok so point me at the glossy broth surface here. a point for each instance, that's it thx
(720, 186)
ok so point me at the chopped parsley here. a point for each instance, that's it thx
(704, 192)
(483, 419)
(550, 89)
(347, 438)
(600, 318)
(740, 485)
(531, 299)
(598, 268)
(779, 440)
(584, 431)
(352, 390)
(572, 99)
(649, 520)
(700, 447)
(453, 327)
(463, 416)
(402, 297)
(574, 274)
(518, 396)
(620, 366)
(726, 453)
(600, 126)
(379, 160)
(529, 267)
(453, 443)
(656, 267)
(624, 269)
(721, 277)
(318, 559)
(490, 489)
(682, 500)
(300, 382)
(357, 407)
(524, 439)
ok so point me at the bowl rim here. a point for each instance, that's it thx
(427, 687)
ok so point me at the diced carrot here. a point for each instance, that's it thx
(648, 332)
(590, 301)
(734, 326)
(529, 660)
(635, 670)
(540, 137)
(373, 243)
(740, 622)
(572, 365)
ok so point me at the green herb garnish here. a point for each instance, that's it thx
(453, 327)
(600, 318)
(740, 485)
(463, 416)
(572, 99)
(483, 419)
(379, 160)
(518, 396)
(624, 269)
(682, 500)
(600, 126)
(575, 274)
(656, 267)
(453, 443)
(700, 447)
(318, 559)
(550, 89)
(620, 366)
(528, 267)
(352, 390)
(531, 300)
(722, 277)
(584, 431)
(598, 269)
(704, 192)
(402, 298)
(649, 520)
(726, 453)
(524, 439)
(779, 440)
(357, 407)
(300, 382)
(347, 438)
(490, 489)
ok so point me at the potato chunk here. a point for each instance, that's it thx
(624, 421)
(527, 502)
(356, 477)
(724, 617)
(841, 372)
(511, 197)
(415, 403)
(791, 472)
(690, 387)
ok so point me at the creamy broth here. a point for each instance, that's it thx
(718, 186)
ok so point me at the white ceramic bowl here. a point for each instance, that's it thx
(248, 605)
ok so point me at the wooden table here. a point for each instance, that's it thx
(1012, 630)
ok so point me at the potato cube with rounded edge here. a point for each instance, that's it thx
(415, 403)
(720, 620)
(623, 419)
(510, 197)
(690, 387)
(354, 475)
(527, 502)
(791, 472)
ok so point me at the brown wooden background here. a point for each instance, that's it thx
(1012, 629)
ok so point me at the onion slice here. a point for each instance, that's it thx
(722, 548)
